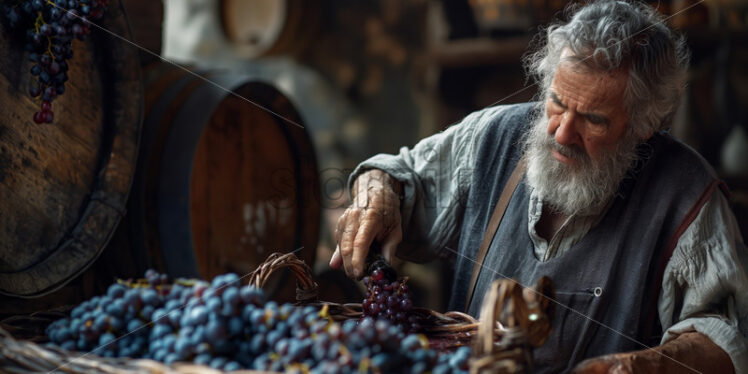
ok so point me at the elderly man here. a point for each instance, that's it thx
(632, 226)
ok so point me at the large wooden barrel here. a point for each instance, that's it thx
(270, 27)
(227, 175)
(64, 185)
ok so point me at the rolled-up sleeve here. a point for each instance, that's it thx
(436, 176)
(705, 288)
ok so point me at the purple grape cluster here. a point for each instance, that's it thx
(387, 298)
(112, 325)
(229, 327)
(50, 26)
(371, 346)
(207, 324)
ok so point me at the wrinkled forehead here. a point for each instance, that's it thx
(590, 90)
(581, 74)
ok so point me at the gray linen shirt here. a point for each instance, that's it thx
(704, 288)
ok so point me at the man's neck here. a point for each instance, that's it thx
(550, 222)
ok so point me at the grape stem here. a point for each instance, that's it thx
(39, 21)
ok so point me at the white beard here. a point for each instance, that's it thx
(582, 188)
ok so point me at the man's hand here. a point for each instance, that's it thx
(688, 353)
(619, 363)
(373, 215)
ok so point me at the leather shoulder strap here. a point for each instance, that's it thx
(652, 325)
(493, 225)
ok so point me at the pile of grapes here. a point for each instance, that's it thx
(228, 326)
(50, 26)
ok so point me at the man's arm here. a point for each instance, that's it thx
(432, 178)
(703, 306)
(688, 353)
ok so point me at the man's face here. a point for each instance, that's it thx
(579, 152)
(585, 112)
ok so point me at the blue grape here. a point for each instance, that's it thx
(198, 315)
(235, 326)
(214, 304)
(182, 348)
(217, 362)
(171, 358)
(149, 297)
(231, 366)
(231, 296)
(202, 359)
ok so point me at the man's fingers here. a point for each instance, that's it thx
(592, 366)
(336, 261)
(340, 227)
(389, 245)
(361, 245)
(609, 364)
(348, 234)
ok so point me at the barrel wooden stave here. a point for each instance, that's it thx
(54, 169)
(64, 186)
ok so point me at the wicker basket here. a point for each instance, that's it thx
(503, 339)
(524, 323)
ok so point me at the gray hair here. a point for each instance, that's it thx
(607, 35)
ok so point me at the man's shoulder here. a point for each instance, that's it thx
(506, 112)
(510, 118)
(682, 158)
(500, 130)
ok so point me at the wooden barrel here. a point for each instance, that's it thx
(270, 27)
(64, 185)
(224, 179)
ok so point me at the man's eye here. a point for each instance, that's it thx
(595, 120)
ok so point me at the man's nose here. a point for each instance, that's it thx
(566, 132)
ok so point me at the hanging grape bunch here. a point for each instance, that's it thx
(388, 297)
(50, 27)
